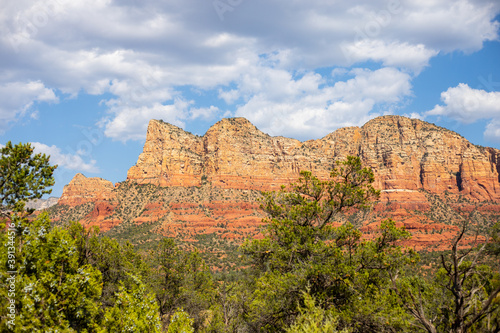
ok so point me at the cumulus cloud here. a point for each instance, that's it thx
(305, 108)
(18, 98)
(468, 105)
(414, 115)
(145, 53)
(204, 113)
(130, 123)
(69, 161)
(414, 57)
(492, 132)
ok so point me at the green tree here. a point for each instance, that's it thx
(314, 319)
(135, 310)
(302, 250)
(23, 176)
(180, 322)
(181, 279)
(464, 295)
(116, 262)
(52, 289)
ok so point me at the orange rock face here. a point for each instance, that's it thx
(405, 154)
(185, 185)
(99, 217)
(81, 190)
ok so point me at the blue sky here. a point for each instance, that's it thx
(81, 79)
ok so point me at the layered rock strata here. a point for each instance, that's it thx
(405, 154)
(81, 190)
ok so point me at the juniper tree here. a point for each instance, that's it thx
(302, 250)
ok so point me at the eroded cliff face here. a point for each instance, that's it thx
(81, 190)
(405, 154)
(232, 154)
(185, 185)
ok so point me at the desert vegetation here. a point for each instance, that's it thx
(307, 273)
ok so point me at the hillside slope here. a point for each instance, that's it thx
(185, 185)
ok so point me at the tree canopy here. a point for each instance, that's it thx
(308, 272)
(24, 176)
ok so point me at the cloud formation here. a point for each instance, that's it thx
(305, 107)
(68, 161)
(18, 99)
(468, 105)
(257, 56)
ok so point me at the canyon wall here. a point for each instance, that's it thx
(185, 185)
(405, 154)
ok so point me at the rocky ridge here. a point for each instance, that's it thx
(40, 204)
(185, 185)
(81, 190)
(405, 154)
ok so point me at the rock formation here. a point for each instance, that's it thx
(40, 204)
(405, 154)
(185, 185)
(81, 190)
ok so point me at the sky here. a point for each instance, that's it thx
(80, 80)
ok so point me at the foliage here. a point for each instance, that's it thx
(180, 323)
(463, 296)
(315, 203)
(302, 250)
(52, 289)
(307, 274)
(135, 310)
(314, 319)
(493, 246)
(182, 279)
(23, 176)
(116, 262)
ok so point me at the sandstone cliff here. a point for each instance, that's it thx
(81, 190)
(405, 154)
(185, 185)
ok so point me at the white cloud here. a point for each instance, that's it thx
(304, 108)
(144, 53)
(414, 115)
(468, 105)
(69, 161)
(130, 123)
(18, 98)
(414, 57)
(204, 113)
(492, 132)
(229, 96)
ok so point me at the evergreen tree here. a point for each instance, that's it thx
(135, 310)
(23, 177)
(52, 290)
(183, 280)
(301, 250)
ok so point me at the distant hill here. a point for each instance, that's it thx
(185, 185)
(39, 204)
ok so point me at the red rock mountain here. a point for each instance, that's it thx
(81, 190)
(405, 154)
(188, 184)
